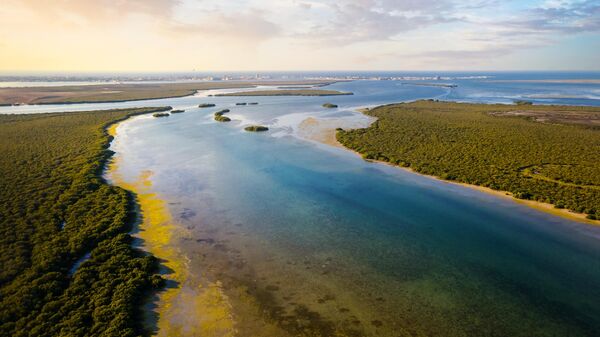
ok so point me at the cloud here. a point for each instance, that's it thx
(483, 40)
(318, 33)
(558, 18)
(353, 21)
(243, 25)
(454, 57)
(460, 56)
(94, 10)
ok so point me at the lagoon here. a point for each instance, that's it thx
(291, 235)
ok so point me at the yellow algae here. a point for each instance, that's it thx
(200, 311)
(112, 129)
(215, 311)
(188, 308)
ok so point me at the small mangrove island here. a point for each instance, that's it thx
(523, 102)
(330, 105)
(207, 105)
(308, 92)
(240, 103)
(161, 114)
(256, 128)
(177, 111)
(220, 112)
(219, 116)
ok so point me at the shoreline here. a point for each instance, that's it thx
(174, 310)
(287, 92)
(113, 101)
(140, 92)
(328, 137)
(538, 205)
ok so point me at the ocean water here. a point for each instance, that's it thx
(326, 243)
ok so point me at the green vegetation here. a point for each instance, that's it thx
(330, 105)
(477, 144)
(207, 105)
(253, 103)
(521, 102)
(588, 116)
(221, 118)
(241, 103)
(55, 208)
(177, 111)
(256, 128)
(221, 112)
(161, 114)
(303, 92)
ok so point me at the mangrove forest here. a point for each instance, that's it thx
(68, 265)
(489, 145)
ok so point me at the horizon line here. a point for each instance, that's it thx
(115, 72)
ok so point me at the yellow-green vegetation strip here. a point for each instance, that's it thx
(221, 118)
(315, 92)
(474, 144)
(256, 128)
(51, 168)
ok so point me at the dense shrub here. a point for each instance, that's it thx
(470, 143)
(55, 208)
(256, 128)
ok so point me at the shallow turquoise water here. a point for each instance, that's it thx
(405, 254)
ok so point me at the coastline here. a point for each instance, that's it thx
(538, 205)
(54, 95)
(286, 92)
(328, 136)
(174, 311)
(115, 101)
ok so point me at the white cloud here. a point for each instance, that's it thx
(308, 33)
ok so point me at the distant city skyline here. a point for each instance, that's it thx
(253, 35)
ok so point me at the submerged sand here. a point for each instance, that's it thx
(323, 130)
(222, 282)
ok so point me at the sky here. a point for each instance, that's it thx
(253, 35)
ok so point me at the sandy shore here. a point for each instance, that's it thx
(324, 132)
(300, 92)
